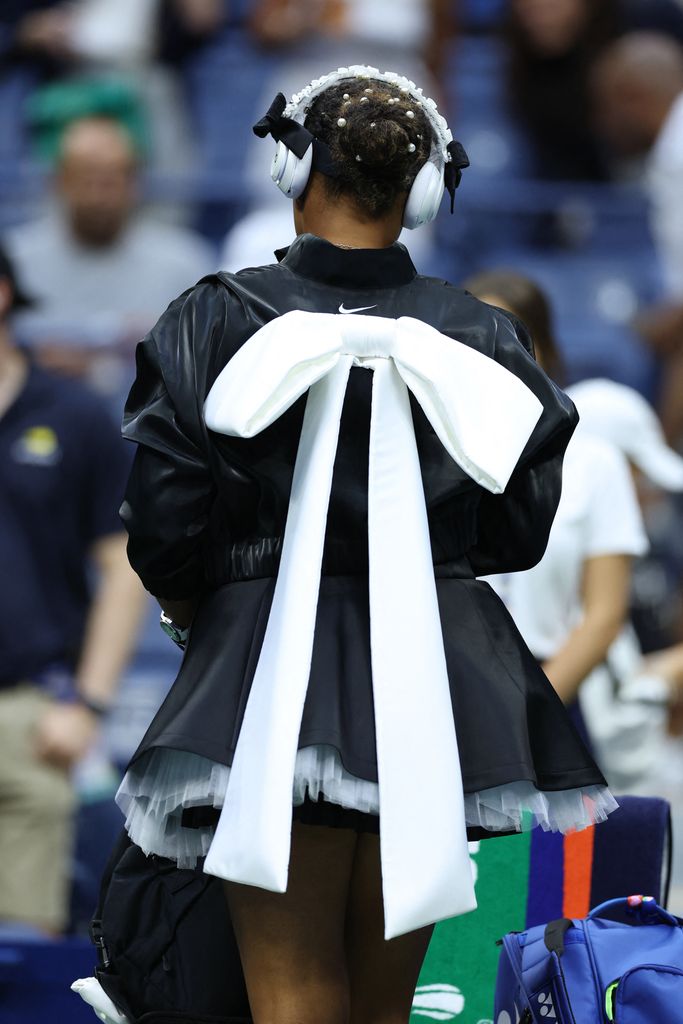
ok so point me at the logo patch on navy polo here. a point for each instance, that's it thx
(37, 446)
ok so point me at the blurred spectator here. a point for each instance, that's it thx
(657, 590)
(186, 24)
(253, 240)
(65, 639)
(552, 48)
(99, 270)
(58, 31)
(86, 41)
(35, 30)
(625, 702)
(573, 604)
(638, 85)
(572, 608)
(638, 88)
(619, 415)
(65, 32)
(667, 666)
(417, 26)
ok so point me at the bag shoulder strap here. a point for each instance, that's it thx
(120, 846)
(554, 934)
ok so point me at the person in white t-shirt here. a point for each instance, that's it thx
(570, 607)
(625, 701)
(573, 605)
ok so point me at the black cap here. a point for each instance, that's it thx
(20, 299)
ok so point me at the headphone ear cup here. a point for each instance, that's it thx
(289, 172)
(424, 198)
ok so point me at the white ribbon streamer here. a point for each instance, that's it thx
(483, 415)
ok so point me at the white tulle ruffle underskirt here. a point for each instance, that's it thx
(158, 787)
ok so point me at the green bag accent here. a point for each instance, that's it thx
(51, 108)
(610, 996)
(458, 976)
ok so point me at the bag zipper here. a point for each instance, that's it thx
(610, 998)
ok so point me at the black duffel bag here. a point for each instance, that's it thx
(166, 949)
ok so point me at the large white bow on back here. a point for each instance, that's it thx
(483, 416)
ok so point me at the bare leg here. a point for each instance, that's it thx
(382, 975)
(292, 944)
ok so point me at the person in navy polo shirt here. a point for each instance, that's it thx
(69, 612)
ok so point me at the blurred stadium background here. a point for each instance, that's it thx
(547, 194)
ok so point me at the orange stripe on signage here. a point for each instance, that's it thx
(578, 868)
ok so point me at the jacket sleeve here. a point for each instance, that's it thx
(513, 527)
(171, 489)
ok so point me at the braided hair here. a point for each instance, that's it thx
(379, 138)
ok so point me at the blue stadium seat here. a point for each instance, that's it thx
(476, 87)
(594, 299)
(589, 247)
(15, 86)
(481, 15)
(225, 81)
(35, 977)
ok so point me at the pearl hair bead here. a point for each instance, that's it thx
(341, 122)
(358, 158)
(411, 147)
(346, 96)
(410, 113)
(364, 99)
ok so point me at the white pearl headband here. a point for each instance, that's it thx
(298, 106)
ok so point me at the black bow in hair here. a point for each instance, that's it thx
(454, 168)
(295, 136)
(283, 129)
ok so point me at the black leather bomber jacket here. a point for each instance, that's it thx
(203, 509)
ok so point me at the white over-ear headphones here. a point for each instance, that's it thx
(424, 198)
(289, 172)
(296, 146)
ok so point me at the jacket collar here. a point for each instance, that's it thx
(320, 260)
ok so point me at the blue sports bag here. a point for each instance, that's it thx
(596, 970)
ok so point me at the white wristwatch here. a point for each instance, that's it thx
(178, 634)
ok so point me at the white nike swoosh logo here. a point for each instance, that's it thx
(358, 310)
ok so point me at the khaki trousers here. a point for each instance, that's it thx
(36, 818)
